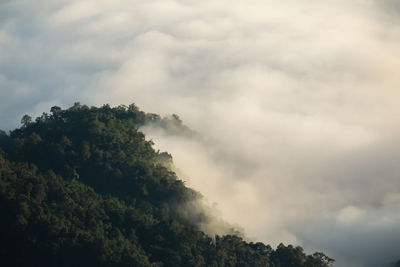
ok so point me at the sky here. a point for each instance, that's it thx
(296, 103)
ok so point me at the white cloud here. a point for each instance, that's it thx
(297, 101)
(350, 214)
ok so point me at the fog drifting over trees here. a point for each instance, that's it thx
(295, 103)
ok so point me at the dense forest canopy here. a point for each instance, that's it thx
(83, 187)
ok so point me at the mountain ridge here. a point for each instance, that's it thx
(83, 186)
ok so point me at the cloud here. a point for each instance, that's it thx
(357, 234)
(349, 215)
(296, 102)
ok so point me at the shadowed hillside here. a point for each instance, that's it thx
(83, 187)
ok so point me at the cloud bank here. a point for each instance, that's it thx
(296, 103)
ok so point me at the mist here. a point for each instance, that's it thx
(295, 103)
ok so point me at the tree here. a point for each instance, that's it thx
(55, 110)
(26, 120)
(83, 187)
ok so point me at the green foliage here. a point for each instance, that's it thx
(83, 187)
(4, 139)
(289, 256)
(26, 120)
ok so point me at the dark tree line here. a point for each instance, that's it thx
(83, 187)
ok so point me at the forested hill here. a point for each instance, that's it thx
(83, 187)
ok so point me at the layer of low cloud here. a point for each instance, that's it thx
(296, 103)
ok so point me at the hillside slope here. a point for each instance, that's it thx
(83, 187)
